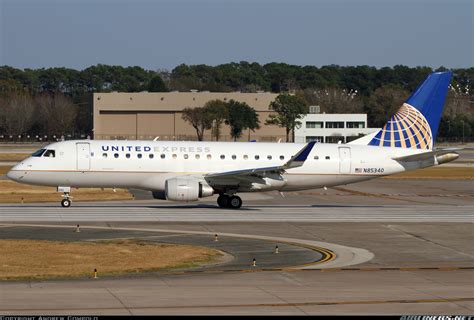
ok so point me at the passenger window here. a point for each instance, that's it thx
(234, 157)
(163, 156)
(174, 156)
(269, 157)
(104, 155)
(316, 158)
(185, 156)
(246, 157)
(209, 157)
(139, 156)
(38, 153)
(151, 155)
(257, 157)
(197, 156)
(328, 157)
(49, 154)
(127, 155)
(282, 157)
(222, 156)
(116, 155)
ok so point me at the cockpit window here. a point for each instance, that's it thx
(49, 153)
(38, 153)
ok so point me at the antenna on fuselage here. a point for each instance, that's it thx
(156, 138)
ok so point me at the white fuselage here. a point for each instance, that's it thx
(148, 164)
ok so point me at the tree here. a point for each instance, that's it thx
(289, 109)
(334, 100)
(383, 103)
(157, 85)
(241, 116)
(218, 111)
(199, 119)
(57, 114)
(17, 113)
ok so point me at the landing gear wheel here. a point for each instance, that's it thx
(223, 201)
(235, 202)
(66, 203)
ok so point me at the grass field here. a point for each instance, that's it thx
(461, 173)
(38, 259)
(4, 169)
(10, 157)
(13, 192)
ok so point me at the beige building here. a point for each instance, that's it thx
(145, 116)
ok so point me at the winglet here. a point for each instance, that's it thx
(298, 159)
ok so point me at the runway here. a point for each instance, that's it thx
(126, 212)
(394, 253)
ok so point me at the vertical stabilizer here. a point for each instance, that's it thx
(416, 123)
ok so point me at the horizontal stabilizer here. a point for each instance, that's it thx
(427, 155)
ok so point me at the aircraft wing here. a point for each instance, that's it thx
(426, 155)
(239, 175)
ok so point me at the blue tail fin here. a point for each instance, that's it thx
(415, 125)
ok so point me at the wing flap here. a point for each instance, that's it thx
(296, 161)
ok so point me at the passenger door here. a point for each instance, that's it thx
(344, 160)
(83, 156)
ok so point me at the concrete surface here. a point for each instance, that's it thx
(422, 230)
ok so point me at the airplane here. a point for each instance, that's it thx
(189, 170)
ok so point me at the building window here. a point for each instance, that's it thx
(314, 109)
(355, 124)
(352, 138)
(334, 124)
(314, 124)
(335, 139)
(314, 138)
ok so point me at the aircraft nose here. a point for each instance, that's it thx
(14, 174)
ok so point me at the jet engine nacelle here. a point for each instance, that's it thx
(185, 189)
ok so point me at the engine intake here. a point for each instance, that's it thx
(185, 189)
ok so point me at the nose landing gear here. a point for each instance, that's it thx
(226, 201)
(66, 202)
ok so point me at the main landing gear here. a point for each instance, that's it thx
(226, 201)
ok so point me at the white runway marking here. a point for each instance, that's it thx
(117, 212)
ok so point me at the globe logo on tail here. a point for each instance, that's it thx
(408, 128)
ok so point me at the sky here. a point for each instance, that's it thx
(161, 34)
